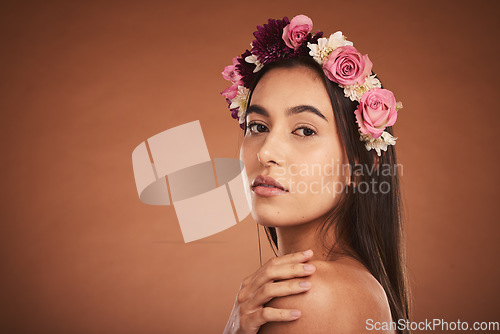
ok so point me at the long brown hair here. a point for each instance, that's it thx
(369, 223)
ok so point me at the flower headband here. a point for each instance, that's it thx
(341, 63)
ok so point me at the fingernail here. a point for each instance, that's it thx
(307, 252)
(305, 284)
(295, 313)
(309, 267)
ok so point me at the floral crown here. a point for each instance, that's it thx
(341, 63)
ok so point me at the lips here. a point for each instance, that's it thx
(267, 186)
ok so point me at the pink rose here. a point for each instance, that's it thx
(230, 73)
(298, 29)
(230, 92)
(346, 66)
(376, 111)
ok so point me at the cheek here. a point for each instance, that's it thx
(321, 181)
(248, 155)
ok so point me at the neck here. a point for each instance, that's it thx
(301, 237)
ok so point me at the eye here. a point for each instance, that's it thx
(304, 132)
(257, 127)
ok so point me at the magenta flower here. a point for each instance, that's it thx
(230, 73)
(230, 92)
(376, 111)
(346, 66)
(295, 33)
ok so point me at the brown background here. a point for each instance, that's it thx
(82, 83)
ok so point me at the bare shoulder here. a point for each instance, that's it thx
(343, 297)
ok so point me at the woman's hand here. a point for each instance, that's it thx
(280, 276)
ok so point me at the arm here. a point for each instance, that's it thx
(341, 300)
(280, 276)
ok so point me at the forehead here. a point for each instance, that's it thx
(283, 88)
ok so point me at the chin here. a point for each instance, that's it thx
(274, 218)
(272, 215)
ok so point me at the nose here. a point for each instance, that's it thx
(266, 162)
(272, 151)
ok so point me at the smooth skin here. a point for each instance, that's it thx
(344, 295)
(291, 131)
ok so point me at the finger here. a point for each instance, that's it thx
(281, 272)
(278, 289)
(297, 257)
(268, 314)
(268, 272)
(292, 258)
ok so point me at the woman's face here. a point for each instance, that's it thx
(292, 139)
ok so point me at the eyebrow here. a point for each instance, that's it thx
(290, 111)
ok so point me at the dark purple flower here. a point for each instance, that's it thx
(234, 113)
(269, 45)
(246, 69)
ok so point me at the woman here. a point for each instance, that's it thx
(310, 107)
